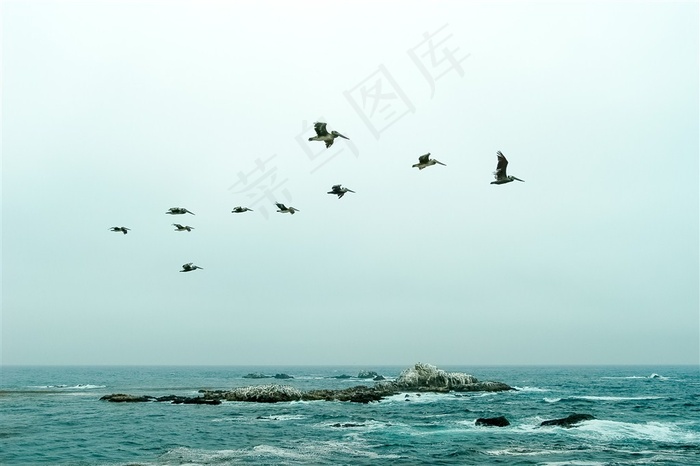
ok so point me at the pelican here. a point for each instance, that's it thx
(188, 267)
(121, 229)
(500, 173)
(322, 134)
(240, 210)
(426, 161)
(339, 190)
(286, 210)
(179, 227)
(178, 211)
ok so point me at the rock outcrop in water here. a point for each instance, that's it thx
(499, 421)
(420, 378)
(569, 421)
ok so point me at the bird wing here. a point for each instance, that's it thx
(501, 166)
(281, 206)
(187, 266)
(320, 129)
(424, 158)
(177, 225)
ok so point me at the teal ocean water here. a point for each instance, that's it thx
(643, 415)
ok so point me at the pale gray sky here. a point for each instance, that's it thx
(115, 111)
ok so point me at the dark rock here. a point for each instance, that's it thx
(568, 421)
(499, 421)
(122, 398)
(358, 394)
(342, 376)
(256, 375)
(197, 400)
(367, 375)
(283, 376)
(175, 399)
(348, 424)
(378, 378)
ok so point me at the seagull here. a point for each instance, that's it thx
(500, 173)
(240, 210)
(286, 210)
(426, 161)
(179, 227)
(339, 190)
(322, 134)
(178, 211)
(122, 229)
(188, 267)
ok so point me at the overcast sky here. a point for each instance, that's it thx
(115, 111)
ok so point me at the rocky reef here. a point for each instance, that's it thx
(569, 421)
(419, 378)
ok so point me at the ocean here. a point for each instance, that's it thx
(643, 415)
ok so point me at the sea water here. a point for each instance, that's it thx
(643, 415)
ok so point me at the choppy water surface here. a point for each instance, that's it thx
(644, 415)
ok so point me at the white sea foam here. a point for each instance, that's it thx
(522, 451)
(638, 377)
(368, 425)
(604, 430)
(573, 463)
(552, 400)
(306, 453)
(614, 398)
(531, 389)
(423, 397)
(68, 387)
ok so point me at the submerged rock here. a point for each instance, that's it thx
(367, 375)
(122, 398)
(569, 421)
(499, 421)
(283, 376)
(256, 375)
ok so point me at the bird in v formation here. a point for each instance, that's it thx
(322, 134)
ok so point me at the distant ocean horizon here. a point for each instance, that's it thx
(642, 414)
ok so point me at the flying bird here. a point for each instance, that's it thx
(286, 210)
(339, 190)
(189, 267)
(178, 211)
(179, 227)
(322, 134)
(500, 173)
(120, 229)
(426, 161)
(240, 210)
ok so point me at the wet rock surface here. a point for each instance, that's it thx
(419, 378)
